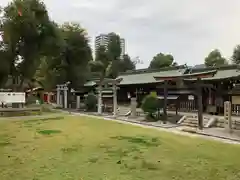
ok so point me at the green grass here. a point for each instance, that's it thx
(75, 148)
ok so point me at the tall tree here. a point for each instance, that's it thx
(103, 67)
(236, 55)
(26, 29)
(126, 64)
(4, 67)
(46, 75)
(161, 60)
(114, 53)
(215, 59)
(75, 54)
(114, 46)
(102, 64)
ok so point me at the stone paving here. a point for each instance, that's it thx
(221, 133)
(141, 120)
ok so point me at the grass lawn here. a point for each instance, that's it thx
(80, 148)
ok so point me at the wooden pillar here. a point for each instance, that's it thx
(65, 97)
(78, 102)
(200, 104)
(165, 100)
(177, 105)
(115, 105)
(58, 96)
(100, 99)
(133, 107)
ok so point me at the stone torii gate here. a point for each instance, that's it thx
(64, 88)
(114, 83)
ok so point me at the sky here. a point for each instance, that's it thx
(187, 29)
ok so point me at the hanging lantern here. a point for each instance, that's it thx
(129, 95)
(19, 12)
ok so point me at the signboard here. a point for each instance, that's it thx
(236, 100)
(12, 97)
(190, 97)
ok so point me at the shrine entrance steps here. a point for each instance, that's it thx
(192, 121)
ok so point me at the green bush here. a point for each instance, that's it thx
(150, 106)
(31, 100)
(91, 102)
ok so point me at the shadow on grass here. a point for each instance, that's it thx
(44, 119)
(93, 160)
(4, 141)
(3, 144)
(73, 148)
(149, 165)
(141, 140)
(32, 122)
(49, 132)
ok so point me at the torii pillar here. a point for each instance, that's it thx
(114, 83)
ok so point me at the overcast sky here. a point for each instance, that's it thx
(188, 29)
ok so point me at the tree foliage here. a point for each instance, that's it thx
(127, 63)
(91, 102)
(26, 32)
(71, 61)
(161, 60)
(114, 46)
(215, 59)
(76, 55)
(236, 55)
(46, 75)
(102, 64)
(150, 105)
(108, 61)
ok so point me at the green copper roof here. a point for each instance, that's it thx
(223, 72)
(147, 77)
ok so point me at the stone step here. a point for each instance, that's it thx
(192, 121)
(123, 111)
(190, 125)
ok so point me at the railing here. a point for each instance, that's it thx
(236, 110)
(188, 106)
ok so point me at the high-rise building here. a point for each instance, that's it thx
(103, 40)
(123, 46)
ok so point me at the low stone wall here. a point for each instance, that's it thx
(221, 122)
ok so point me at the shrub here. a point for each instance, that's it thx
(150, 106)
(91, 102)
(31, 100)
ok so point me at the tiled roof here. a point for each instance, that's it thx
(146, 77)
(223, 72)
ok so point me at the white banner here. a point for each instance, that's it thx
(12, 97)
